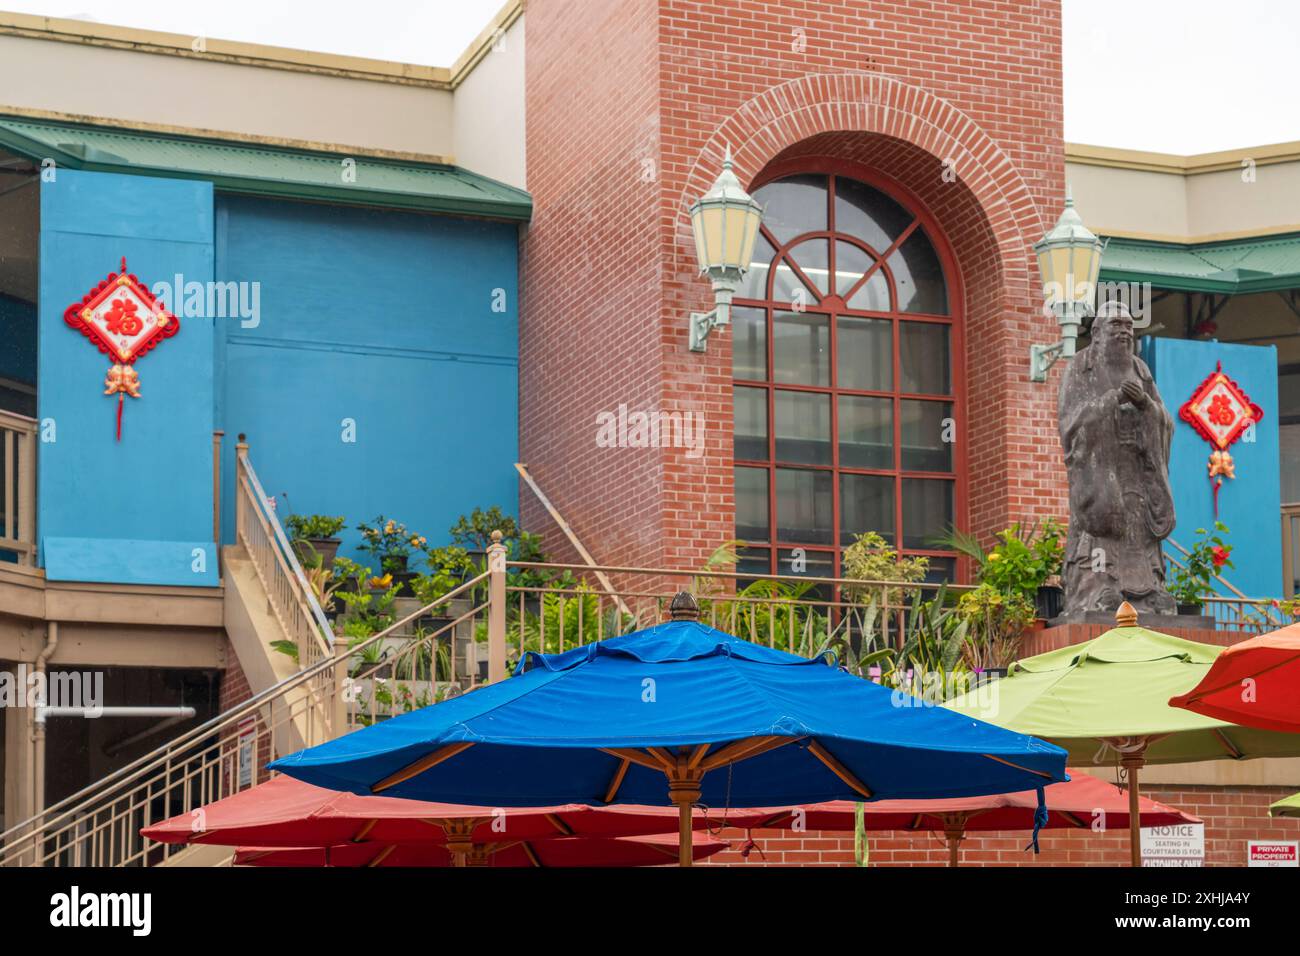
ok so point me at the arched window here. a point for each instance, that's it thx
(847, 384)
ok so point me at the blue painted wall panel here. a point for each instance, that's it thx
(385, 320)
(153, 485)
(1250, 504)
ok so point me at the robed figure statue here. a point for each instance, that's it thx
(1115, 431)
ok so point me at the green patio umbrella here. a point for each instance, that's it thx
(1112, 693)
(1286, 807)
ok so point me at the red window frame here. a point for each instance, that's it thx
(833, 306)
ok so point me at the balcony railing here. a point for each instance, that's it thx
(18, 461)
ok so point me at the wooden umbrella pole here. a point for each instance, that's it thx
(1132, 763)
(954, 831)
(684, 791)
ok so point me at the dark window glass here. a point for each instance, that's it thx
(801, 348)
(788, 287)
(793, 206)
(808, 564)
(803, 427)
(927, 510)
(804, 506)
(864, 354)
(754, 285)
(942, 570)
(866, 427)
(751, 424)
(927, 435)
(752, 523)
(749, 343)
(918, 276)
(868, 214)
(924, 364)
(753, 561)
(866, 504)
(813, 260)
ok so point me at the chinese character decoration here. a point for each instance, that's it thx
(124, 321)
(1221, 413)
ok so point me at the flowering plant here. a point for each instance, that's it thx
(1208, 556)
(389, 543)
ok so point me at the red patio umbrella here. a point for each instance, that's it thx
(1078, 803)
(655, 850)
(285, 812)
(1255, 684)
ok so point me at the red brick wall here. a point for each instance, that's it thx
(234, 684)
(1232, 816)
(630, 105)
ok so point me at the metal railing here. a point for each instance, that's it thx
(100, 824)
(18, 461)
(1235, 611)
(289, 596)
(554, 607)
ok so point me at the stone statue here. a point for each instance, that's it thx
(1115, 431)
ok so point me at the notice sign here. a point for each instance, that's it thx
(1275, 853)
(1180, 845)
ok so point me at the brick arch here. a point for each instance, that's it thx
(786, 115)
(989, 217)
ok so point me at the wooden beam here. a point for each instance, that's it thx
(743, 749)
(382, 855)
(421, 765)
(617, 780)
(364, 831)
(559, 824)
(1040, 773)
(837, 768)
(636, 757)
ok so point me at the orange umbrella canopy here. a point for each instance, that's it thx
(285, 812)
(1255, 684)
(656, 850)
(1081, 802)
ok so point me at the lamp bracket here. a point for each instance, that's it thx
(702, 323)
(1042, 358)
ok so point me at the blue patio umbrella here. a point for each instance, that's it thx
(726, 722)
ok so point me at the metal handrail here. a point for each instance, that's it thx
(284, 553)
(69, 807)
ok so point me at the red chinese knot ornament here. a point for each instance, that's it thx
(1221, 413)
(125, 321)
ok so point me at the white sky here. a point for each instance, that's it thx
(1174, 76)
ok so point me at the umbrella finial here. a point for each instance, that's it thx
(684, 607)
(1126, 615)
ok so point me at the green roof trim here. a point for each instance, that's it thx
(1261, 264)
(266, 170)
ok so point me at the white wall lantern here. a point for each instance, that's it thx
(1069, 260)
(725, 222)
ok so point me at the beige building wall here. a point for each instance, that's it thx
(137, 77)
(1228, 195)
(488, 116)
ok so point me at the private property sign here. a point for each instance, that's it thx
(1180, 845)
(1274, 853)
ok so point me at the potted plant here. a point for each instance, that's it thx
(428, 588)
(315, 535)
(391, 544)
(1193, 581)
(323, 583)
(1025, 561)
(995, 621)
